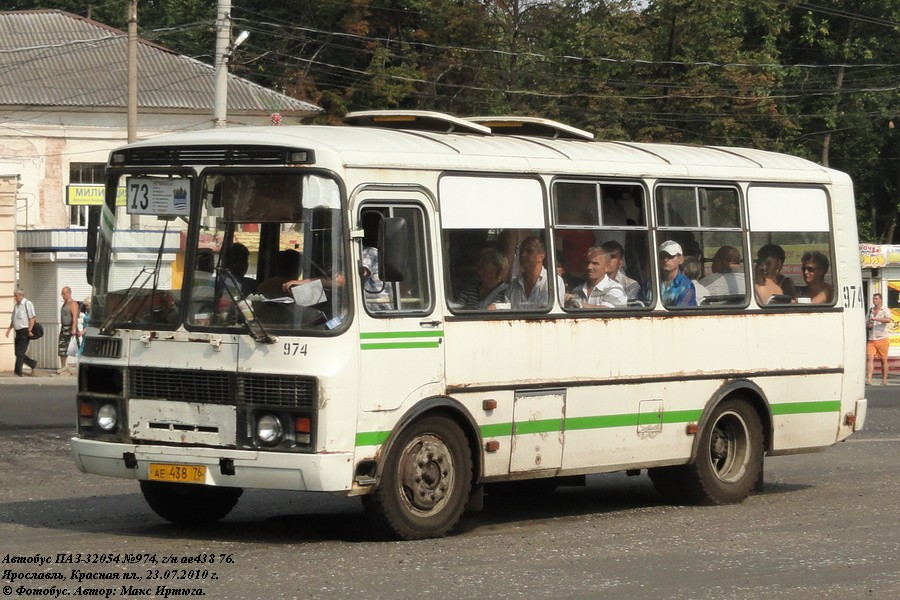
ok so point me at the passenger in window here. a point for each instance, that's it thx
(765, 278)
(572, 244)
(378, 295)
(727, 275)
(677, 289)
(616, 271)
(784, 282)
(693, 268)
(237, 261)
(599, 290)
(490, 289)
(203, 274)
(815, 266)
(529, 288)
(510, 241)
(287, 267)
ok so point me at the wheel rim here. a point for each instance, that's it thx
(426, 474)
(729, 447)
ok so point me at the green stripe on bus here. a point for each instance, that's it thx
(632, 420)
(380, 335)
(799, 408)
(542, 426)
(398, 345)
(372, 438)
(494, 430)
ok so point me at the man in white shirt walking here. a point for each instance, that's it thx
(22, 321)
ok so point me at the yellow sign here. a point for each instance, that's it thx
(91, 194)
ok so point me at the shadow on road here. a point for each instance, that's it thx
(296, 517)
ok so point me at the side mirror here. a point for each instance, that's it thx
(393, 248)
(93, 230)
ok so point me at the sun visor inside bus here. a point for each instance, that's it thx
(787, 209)
(491, 202)
(271, 197)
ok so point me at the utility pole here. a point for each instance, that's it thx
(223, 40)
(132, 71)
(132, 85)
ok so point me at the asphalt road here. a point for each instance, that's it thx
(826, 526)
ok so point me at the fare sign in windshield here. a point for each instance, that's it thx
(162, 197)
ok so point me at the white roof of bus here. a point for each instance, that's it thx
(350, 146)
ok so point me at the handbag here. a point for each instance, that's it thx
(37, 331)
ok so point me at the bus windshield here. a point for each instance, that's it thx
(229, 250)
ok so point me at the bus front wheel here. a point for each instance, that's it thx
(188, 504)
(729, 458)
(425, 483)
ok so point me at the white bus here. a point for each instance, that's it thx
(336, 309)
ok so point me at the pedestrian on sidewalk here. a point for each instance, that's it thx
(22, 321)
(878, 343)
(68, 329)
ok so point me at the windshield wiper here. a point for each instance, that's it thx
(256, 328)
(107, 328)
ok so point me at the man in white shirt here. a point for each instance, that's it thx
(879, 343)
(727, 275)
(22, 321)
(614, 269)
(529, 289)
(599, 290)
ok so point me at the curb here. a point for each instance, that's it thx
(39, 377)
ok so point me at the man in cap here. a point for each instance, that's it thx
(677, 289)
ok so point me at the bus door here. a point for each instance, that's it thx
(401, 329)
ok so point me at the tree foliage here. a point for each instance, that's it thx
(817, 80)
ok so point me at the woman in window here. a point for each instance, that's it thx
(765, 278)
(491, 287)
(815, 266)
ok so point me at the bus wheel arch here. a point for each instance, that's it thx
(426, 472)
(750, 393)
(732, 439)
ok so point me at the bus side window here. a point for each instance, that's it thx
(405, 286)
(705, 223)
(792, 249)
(610, 215)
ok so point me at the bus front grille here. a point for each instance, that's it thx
(207, 387)
(102, 347)
(277, 390)
(220, 387)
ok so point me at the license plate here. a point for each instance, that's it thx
(177, 473)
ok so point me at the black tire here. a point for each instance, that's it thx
(425, 482)
(189, 505)
(729, 457)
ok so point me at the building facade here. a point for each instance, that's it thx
(63, 108)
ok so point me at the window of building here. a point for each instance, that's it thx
(81, 173)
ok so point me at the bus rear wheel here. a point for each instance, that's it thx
(730, 456)
(425, 482)
(190, 505)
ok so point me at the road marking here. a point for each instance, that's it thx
(861, 440)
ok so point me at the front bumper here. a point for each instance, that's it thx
(331, 472)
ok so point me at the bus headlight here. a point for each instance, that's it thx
(107, 417)
(269, 430)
